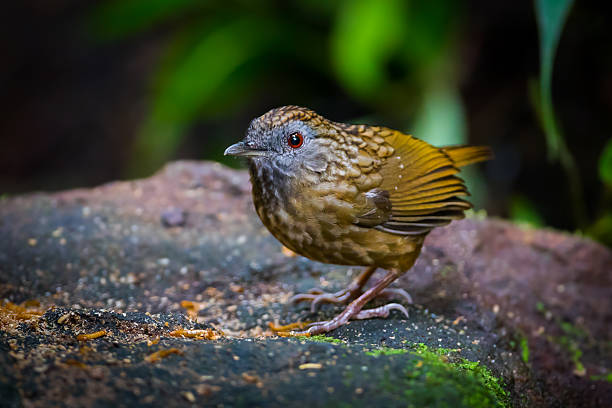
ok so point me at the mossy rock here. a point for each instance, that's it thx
(510, 316)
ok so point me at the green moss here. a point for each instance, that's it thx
(605, 377)
(524, 349)
(570, 342)
(573, 331)
(386, 351)
(476, 214)
(572, 348)
(438, 378)
(423, 348)
(521, 344)
(325, 339)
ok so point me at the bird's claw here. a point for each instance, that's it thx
(313, 328)
(345, 296)
(316, 297)
(396, 293)
(381, 311)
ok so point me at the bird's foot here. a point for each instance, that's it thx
(316, 297)
(350, 313)
(345, 296)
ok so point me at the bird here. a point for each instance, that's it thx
(351, 194)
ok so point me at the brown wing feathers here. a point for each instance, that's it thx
(464, 155)
(422, 183)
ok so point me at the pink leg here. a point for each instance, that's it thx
(381, 311)
(396, 293)
(317, 296)
(353, 310)
(353, 291)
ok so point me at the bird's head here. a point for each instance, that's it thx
(290, 138)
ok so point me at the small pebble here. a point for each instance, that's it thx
(188, 395)
(63, 318)
(310, 366)
(173, 217)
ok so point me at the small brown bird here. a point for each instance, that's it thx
(352, 195)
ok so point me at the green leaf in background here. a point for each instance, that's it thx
(432, 28)
(118, 18)
(365, 35)
(601, 229)
(550, 16)
(441, 122)
(441, 119)
(523, 210)
(605, 164)
(200, 78)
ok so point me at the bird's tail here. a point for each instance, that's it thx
(464, 155)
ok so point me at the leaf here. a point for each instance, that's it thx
(118, 18)
(441, 119)
(202, 77)
(366, 33)
(432, 28)
(524, 211)
(601, 229)
(550, 16)
(605, 164)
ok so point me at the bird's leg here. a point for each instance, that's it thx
(353, 291)
(353, 310)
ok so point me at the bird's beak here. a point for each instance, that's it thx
(241, 149)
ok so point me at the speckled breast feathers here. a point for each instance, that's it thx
(355, 191)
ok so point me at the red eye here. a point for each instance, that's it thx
(295, 140)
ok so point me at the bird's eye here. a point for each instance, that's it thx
(295, 140)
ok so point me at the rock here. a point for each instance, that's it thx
(504, 315)
(173, 217)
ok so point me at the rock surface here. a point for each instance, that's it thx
(503, 316)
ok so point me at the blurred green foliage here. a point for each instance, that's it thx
(380, 52)
(551, 16)
(601, 229)
(524, 211)
(365, 35)
(119, 18)
(605, 165)
(396, 56)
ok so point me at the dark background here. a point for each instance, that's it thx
(104, 90)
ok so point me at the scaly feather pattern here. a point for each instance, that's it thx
(352, 195)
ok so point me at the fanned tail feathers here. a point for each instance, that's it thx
(428, 195)
(464, 155)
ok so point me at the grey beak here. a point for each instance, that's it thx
(241, 149)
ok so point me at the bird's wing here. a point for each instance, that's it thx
(376, 209)
(419, 183)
